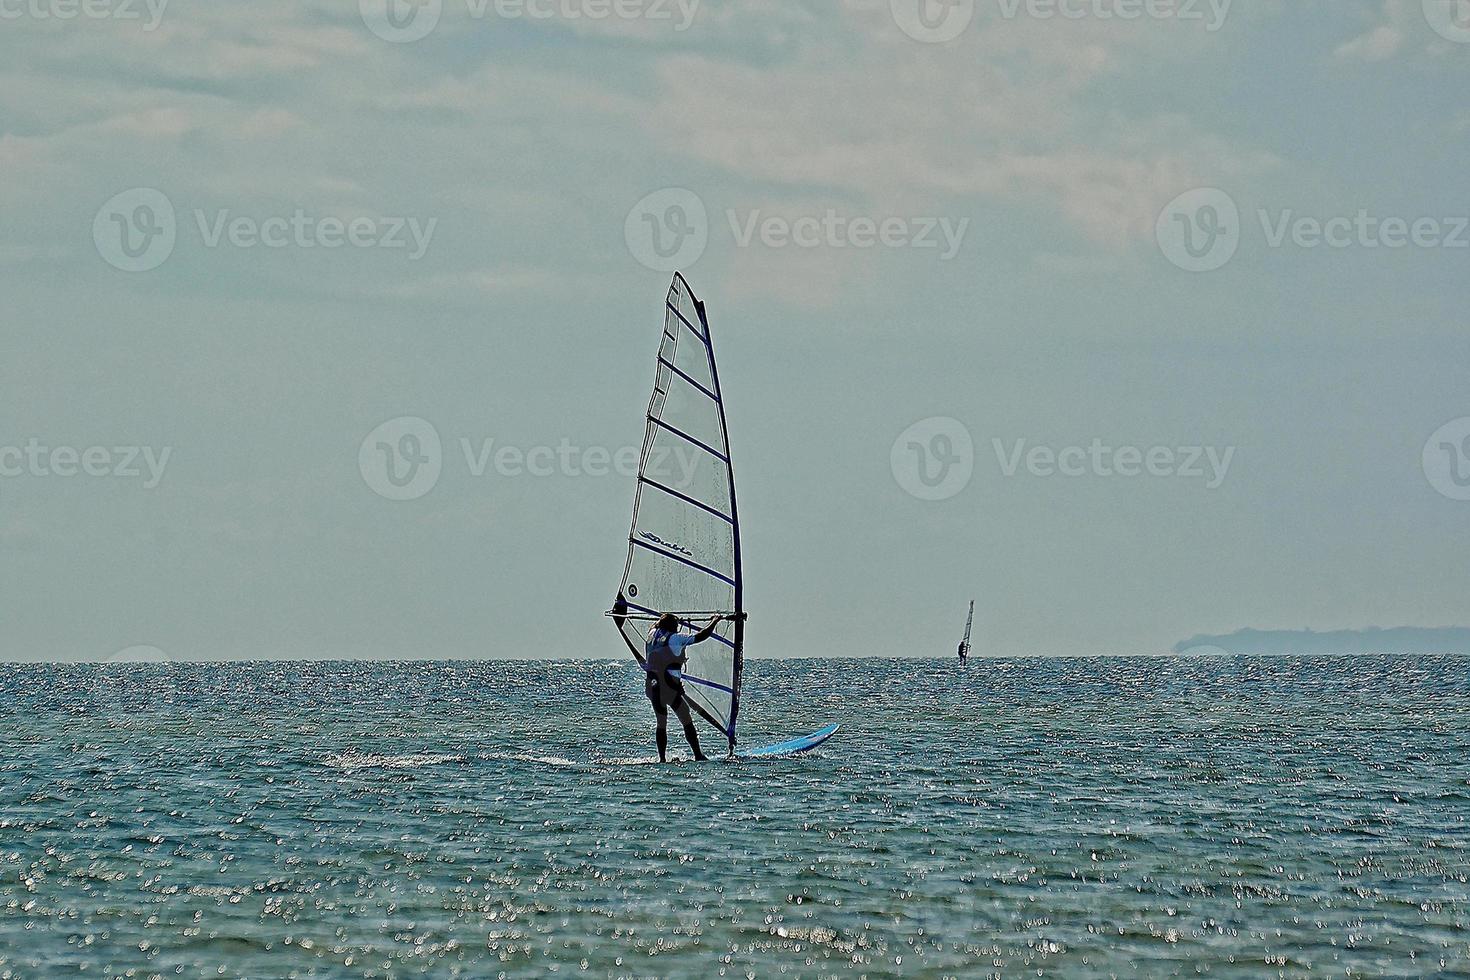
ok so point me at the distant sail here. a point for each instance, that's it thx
(969, 621)
(684, 547)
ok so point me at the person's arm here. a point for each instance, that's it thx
(707, 632)
(704, 633)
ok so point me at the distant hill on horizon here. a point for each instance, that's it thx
(1400, 639)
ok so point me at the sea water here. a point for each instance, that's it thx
(1077, 817)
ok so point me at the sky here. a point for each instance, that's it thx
(1129, 319)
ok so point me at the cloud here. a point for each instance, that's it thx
(910, 129)
(1379, 44)
(1397, 24)
(1382, 41)
(478, 284)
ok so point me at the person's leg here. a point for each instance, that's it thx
(661, 734)
(687, 721)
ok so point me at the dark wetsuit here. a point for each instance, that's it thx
(665, 655)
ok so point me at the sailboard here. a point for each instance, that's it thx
(965, 643)
(684, 544)
(795, 746)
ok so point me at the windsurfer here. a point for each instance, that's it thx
(664, 685)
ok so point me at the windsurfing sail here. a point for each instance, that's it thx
(684, 546)
(969, 621)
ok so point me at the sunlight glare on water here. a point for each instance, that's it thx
(1229, 816)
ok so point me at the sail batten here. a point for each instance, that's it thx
(684, 546)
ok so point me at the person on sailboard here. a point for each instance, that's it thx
(664, 686)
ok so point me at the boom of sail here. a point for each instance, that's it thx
(684, 546)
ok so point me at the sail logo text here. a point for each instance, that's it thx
(668, 545)
(833, 230)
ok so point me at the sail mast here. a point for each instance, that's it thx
(734, 529)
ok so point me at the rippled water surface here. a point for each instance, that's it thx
(1227, 817)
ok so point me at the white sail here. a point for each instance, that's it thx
(684, 546)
